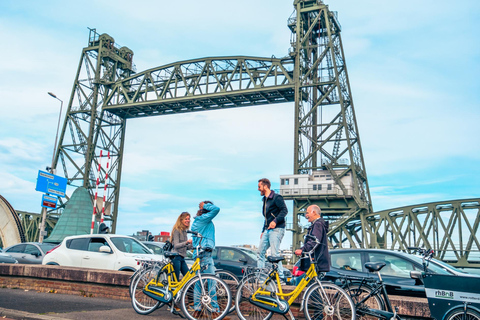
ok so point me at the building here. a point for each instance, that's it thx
(320, 182)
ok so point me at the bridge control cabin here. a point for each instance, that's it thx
(319, 183)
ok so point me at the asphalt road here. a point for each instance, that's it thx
(21, 304)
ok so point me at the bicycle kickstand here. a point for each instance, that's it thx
(395, 313)
(174, 311)
(291, 315)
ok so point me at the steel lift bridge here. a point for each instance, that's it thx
(108, 91)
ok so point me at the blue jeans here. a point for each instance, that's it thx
(211, 288)
(271, 238)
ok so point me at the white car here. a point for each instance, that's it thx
(100, 251)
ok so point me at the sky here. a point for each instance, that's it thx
(413, 68)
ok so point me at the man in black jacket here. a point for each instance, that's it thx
(318, 229)
(274, 212)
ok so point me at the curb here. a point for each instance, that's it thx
(22, 315)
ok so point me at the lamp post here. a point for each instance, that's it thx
(52, 169)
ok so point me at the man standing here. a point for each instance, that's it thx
(274, 212)
(318, 229)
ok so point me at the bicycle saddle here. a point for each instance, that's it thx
(170, 254)
(374, 266)
(275, 259)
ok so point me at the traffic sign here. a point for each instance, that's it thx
(50, 183)
(49, 202)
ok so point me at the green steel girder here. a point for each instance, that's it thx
(451, 228)
(203, 84)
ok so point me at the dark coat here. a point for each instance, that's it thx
(274, 209)
(319, 229)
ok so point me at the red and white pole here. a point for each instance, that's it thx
(105, 188)
(96, 192)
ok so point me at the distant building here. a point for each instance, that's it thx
(144, 235)
(318, 183)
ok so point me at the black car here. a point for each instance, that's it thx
(235, 259)
(396, 274)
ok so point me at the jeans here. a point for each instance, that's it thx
(271, 238)
(210, 288)
(179, 265)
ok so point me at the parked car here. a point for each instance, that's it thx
(235, 259)
(396, 274)
(156, 247)
(100, 251)
(6, 258)
(29, 252)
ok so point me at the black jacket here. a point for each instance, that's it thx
(319, 230)
(274, 208)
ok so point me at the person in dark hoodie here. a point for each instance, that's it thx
(318, 229)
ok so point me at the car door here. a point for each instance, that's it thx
(18, 252)
(396, 274)
(345, 262)
(93, 258)
(33, 255)
(231, 259)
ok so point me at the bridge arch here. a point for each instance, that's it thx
(11, 230)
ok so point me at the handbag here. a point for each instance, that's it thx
(167, 246)
(304, 263)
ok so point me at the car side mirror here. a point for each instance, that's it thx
(36, 254)
(105, 249)
(418, 276)
(151, 251)
(243, 260)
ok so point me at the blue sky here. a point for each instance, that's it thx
(413, 68)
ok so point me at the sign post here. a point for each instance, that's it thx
(54, 186)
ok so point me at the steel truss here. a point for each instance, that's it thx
(326, 132)
(448, 227)
(203, 84)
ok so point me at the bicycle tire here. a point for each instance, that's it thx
(334, 304)
(459, 313)
(374, 302)
(246, 310)
(232, 281)
(143, 304)
(206, 297)
(135, 275)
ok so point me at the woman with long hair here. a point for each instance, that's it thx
(181, 243)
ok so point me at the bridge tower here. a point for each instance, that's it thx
(329, 169)
(88, 129)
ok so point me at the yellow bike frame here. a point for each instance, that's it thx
(309, 275)
(174, 285)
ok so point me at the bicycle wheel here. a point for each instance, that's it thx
(142, 303)
(459, 314)
(328, 301)
(232, 281)
(373, 302)
(246, 310)
(137, 273)
(206, 297)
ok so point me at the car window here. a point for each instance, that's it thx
(432, 266)
(46, 246)
(18, 249)
(129, 245)
(78, 244)
(395, 266)
(231, 255)
(31, 249)
(156, 249)
(347, 261)
(95, 244)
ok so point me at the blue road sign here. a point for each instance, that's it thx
(49, 201)
(50, 183)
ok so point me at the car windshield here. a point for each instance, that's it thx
(447, 266)
(250, 253)
(129, 245)
(432, 266)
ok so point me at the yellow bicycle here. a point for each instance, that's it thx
(260, 295)
(200, 295)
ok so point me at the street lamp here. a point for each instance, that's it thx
(52, 170)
